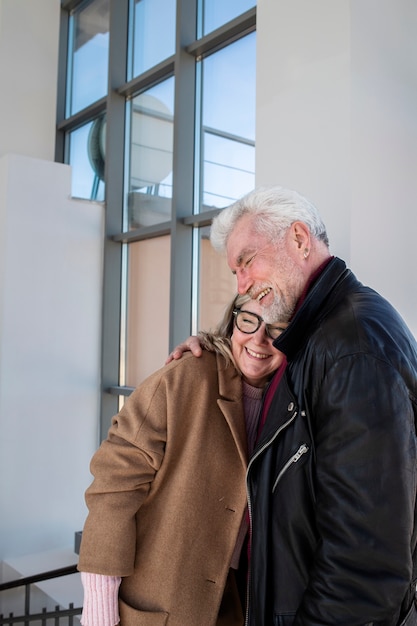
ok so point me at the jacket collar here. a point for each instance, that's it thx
(319, 299)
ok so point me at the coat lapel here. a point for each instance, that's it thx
(231, 404)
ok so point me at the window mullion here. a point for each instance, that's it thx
(183, 180)
(114, 177)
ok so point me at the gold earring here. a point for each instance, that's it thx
(306, 251)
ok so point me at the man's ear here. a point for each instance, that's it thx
(300, 234)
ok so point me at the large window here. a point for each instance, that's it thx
(227, 133)
(153, 25)
(156, 116)
(88, 48)
(214, 13)
(150, 142)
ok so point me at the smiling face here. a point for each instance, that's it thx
(254, 353)
(269, 272)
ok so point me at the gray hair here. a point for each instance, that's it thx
(275, 208)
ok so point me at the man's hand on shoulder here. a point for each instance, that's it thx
(191, 344)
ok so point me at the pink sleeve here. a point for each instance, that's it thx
(100, 607)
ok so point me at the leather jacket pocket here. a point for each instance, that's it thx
(129, 616)
(284, 620)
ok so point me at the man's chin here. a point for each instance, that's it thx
(276, 312)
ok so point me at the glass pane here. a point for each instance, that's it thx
(228, 124)
(89, 55)
(215, 13)
(217, 283)
(151, 146)
(147, 308)
(153, 33)
(86, 149)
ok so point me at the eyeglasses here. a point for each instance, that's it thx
(249, 323)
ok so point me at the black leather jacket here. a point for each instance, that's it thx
(332, 482)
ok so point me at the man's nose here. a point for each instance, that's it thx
(243, 282)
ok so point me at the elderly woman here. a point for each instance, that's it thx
(166, 523)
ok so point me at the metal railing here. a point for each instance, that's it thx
(55, 617)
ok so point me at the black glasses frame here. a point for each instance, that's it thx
(260, 320)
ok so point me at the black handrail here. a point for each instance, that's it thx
(26, 582)
(35, 578)
(56, 615)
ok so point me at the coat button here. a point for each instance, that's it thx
(291, 406)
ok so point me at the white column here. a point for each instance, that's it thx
(336, 103)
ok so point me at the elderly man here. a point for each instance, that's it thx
(332, 481)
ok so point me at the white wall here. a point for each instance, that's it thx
(29, 34)
(336, 120)
(384, 149)
(50, 302)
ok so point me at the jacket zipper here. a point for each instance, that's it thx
(255, 456)
(295, 457)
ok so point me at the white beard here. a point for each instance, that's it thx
(278, 311)
(283, 306)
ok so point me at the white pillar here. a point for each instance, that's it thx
(336, 103)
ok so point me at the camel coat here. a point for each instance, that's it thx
(168, 494)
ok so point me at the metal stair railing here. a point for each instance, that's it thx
(57, 615)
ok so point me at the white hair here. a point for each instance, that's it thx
(275, 208)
